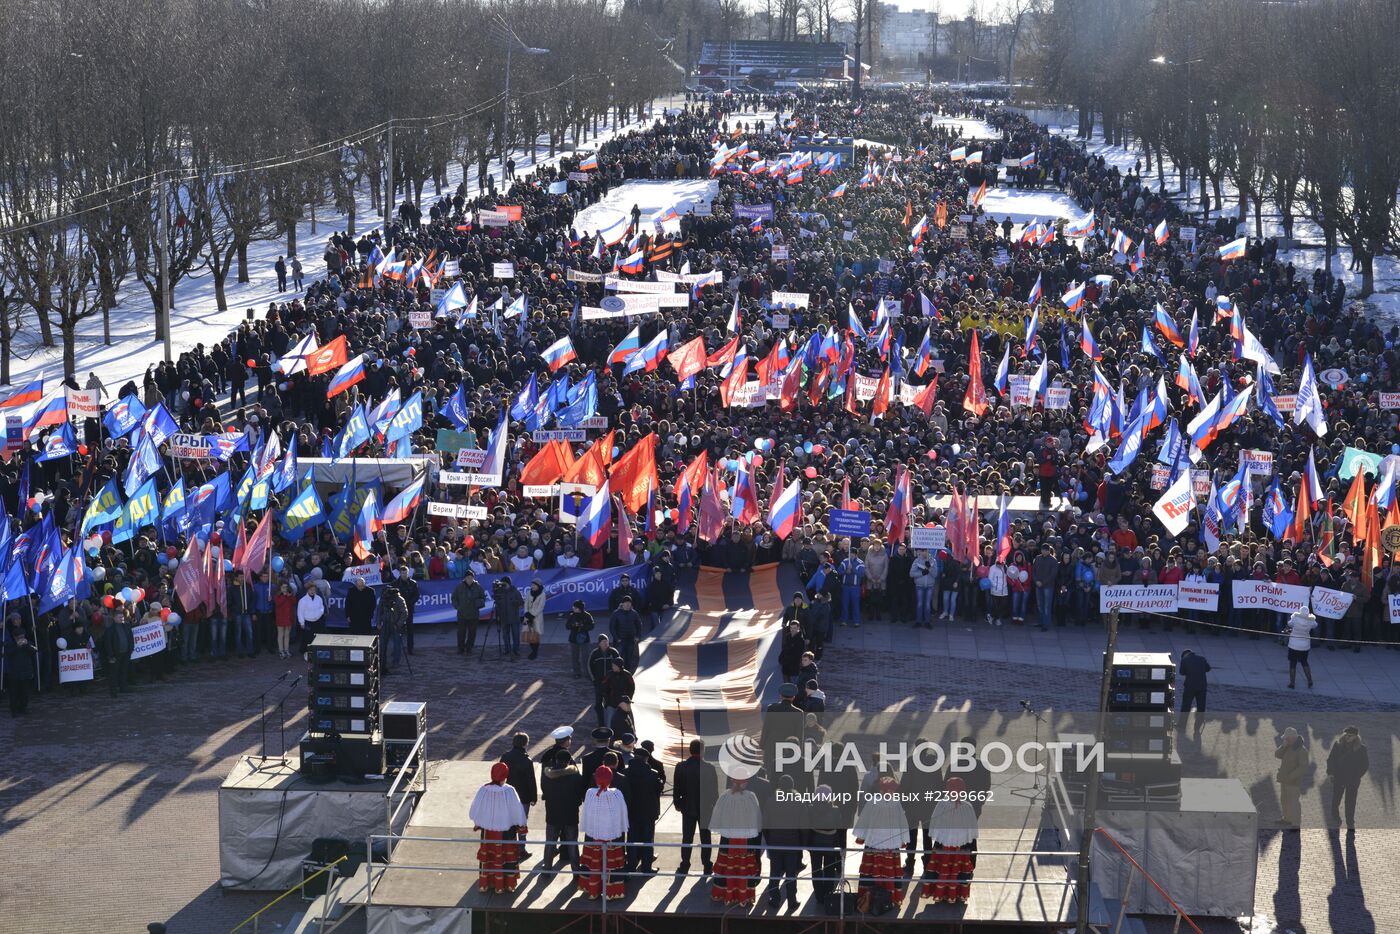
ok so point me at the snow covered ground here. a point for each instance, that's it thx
(1024, 206)
(1308, 252)
(968, 127)
(650, 197)
(195, 317)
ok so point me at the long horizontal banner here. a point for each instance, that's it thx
(1159, 598)
(562, 586)
(1285, 598)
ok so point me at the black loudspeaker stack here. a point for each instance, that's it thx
(343, 731)
(1141, 765)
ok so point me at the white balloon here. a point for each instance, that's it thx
(62, 643)
(99, 573)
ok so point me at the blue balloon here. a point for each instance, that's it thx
(615, 450)
(1365, 377)
(173, 619)
(278, 563)
(126, 594)
(228, 565)
(807, 446)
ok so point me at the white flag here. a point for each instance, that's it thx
(1174, 508)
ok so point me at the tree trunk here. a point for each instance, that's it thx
(1259, 218)
(218, 269)
(69, 349)
(350, 219)
(292, 237)
(243, 262)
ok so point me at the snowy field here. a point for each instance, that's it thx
(195, 318)
(1308, 252)
(967, 127)
(1025, 206)
(651, 197)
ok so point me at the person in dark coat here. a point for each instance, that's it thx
(360, 603)
(1193, 670)
(661, 589)
(781, 721)
(783, 821)
(790, 655)
(622, 722)
(19, 667)
(468, 598)
(643, 810)
(602, 745)
(977, 781)
(693, 794)
(917, 787)
(522, 777)
(624, 591)
(1347, 763)
(562, 786)
(825, 836)
(626, 628)
(407, 586)
(600, 665)
(117, 644)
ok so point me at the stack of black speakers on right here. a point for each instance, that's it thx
(1141, 766)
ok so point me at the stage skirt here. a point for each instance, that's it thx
(883, 869)
(500, 861)
(950, 869)
(590, 876)
(735, 869)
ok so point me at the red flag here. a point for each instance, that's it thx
(846, 493)
(971, 526)
(240, 550)
(633, 477)
(733, 382)
(925, 397)
(255, 555)
(694, 474)
(592, 467)
(792, 388)
(952, 525)
(725, 354)
(711, 512)
(1354, 507)
(189, 577)
(688, 359)
(881, 403)
(624, 537)
(975, 401)
(1371, 557)
(330, 357)
(769, 366)
(816, 387)
(547, 466)
(1302, 513)
(852, 405)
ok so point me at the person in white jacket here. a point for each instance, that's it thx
(1300, 628)
(999, 592)
(535, 599)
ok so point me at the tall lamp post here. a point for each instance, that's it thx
(502, 32)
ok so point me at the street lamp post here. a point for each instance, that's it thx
(511, 40)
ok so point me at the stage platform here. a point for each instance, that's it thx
(442, 897)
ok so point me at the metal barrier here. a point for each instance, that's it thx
(841, 882)
(418, 752)
(1127, 885)
(329, 867)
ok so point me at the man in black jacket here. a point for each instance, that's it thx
(409, 588)
(602, 745)
(624, 591)
(1347, 763)
(522, 776)
(1193, 689)
(694, 794)
(562, 786)
(600, 665)
(359, 608)
(468, 598)
(643, 809)
(626, 628)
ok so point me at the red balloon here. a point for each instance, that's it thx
(251, 363)
(818, 449)
(83, 449)
(138, 594)
(164, 615)
(171, 552)
(469, 541)
(811, 473)
(214, 538)
(107, 537)
(109, 601)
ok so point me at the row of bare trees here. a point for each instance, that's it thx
(196, 128)
(1294, 106)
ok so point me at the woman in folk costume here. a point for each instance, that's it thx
(953, 828)
(497, 812)
(883, 829)
(604, 820)
(736, 820)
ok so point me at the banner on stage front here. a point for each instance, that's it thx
(1138, 598)
(74, 665)
(1267, 595)
(147, 639)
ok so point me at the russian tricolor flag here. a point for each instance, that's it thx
(786, 512)
(1034, 297)
(559, 353)
(401, 507)
(366, 525)
(589, 164)
(627, 346)
(54, 411)
(1167, 326)
(1160, 233)
(348, 375)
(25, 395)
(1074, 298)
(1234, 249)
(1087, 342)
(594, 523)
